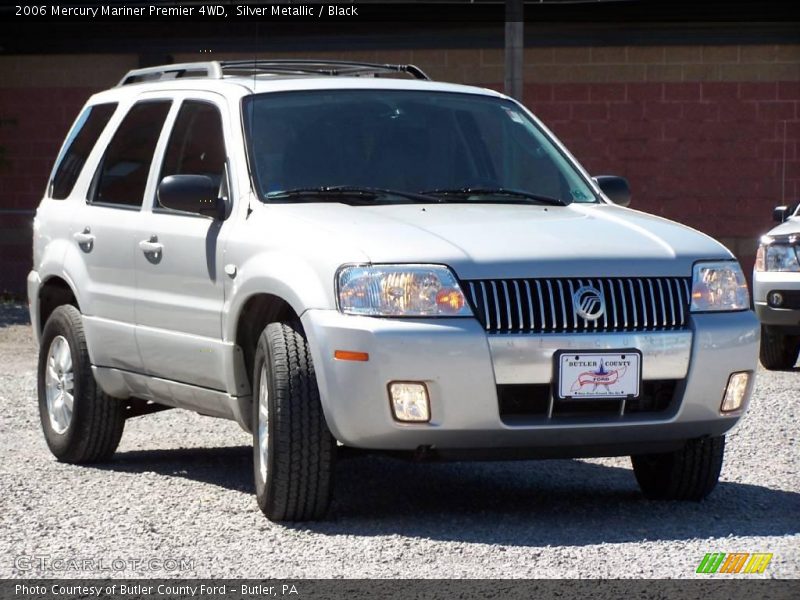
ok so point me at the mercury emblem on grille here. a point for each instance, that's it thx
(588, 303)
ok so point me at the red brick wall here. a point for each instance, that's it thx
(33, 124)
(697, 130)
(708, 154)
(40, 96)
(32, 128)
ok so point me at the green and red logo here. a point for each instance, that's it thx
(734, 562)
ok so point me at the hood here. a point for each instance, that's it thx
(507, 241)
(788, 227)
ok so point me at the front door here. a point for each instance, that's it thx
(179, 269)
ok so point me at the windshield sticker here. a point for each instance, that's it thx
(514, 116)
(579, 195)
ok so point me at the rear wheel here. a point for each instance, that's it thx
(778, 351)
(81, 424)
(690, 473)
(293, 450)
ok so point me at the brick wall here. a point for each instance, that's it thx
(708, 154)
(40, 96)
(700, 131)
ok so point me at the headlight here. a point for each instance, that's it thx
(777, 257)
(719, 286)
(400, 291)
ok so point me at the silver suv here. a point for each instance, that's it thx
(776, 287)
(348, 254)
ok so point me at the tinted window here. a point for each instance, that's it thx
(79, 144)
(122, 174)
(404, 140)
(196, 145)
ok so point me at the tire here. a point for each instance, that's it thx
(778, 352)
(91, 430)
(687, 474)
(294, 481)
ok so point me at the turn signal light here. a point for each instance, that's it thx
(351, 355)
(450, 300)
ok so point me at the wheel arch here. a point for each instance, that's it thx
(54, 291)
(267, 288)
(270, 288)
(256, 312)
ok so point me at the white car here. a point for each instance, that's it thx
(776, 290)
(331, 254)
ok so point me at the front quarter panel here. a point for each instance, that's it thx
(272, 253)
(279, 274)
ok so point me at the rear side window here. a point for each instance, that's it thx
(79, 144)
(122, 174)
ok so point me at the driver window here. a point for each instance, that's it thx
(196, 144)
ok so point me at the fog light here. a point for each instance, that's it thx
(776, 298)
(409, 401)
(734, 393)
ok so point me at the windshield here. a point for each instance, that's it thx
(448, 147)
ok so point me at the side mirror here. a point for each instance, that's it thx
(781, 213)
(193, 194)
(616, 188)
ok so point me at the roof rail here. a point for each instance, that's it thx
(209, 69)
(215, 69)
(318, 67)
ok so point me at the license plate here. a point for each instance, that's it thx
(596, 375)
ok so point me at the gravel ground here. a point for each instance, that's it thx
(180, 488)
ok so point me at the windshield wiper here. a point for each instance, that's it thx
(479, 191)
(337, 193)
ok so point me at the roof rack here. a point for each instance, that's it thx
(318, 67)
(216, 70)
(210, 69)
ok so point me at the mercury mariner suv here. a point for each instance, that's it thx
(776, 287)
(348, 254)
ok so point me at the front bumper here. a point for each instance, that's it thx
(764, 283)
(462, 367)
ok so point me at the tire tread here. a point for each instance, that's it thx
(303, 448)
(690, 473)
(778, 351)
(100, 418)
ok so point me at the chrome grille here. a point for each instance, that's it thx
(546, 305)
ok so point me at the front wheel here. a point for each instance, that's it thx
(690, 473)
(81, 424)
(293, 450)
(778, 351)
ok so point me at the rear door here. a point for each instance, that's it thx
(179, 255)
(104, 229)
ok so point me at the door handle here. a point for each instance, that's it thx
(85, 239)
(151, 246)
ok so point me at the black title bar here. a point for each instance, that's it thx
(588, 11)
